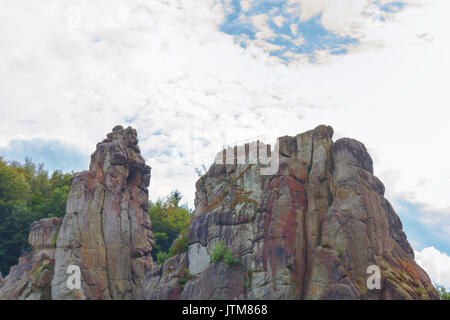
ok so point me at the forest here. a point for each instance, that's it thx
(28, 193)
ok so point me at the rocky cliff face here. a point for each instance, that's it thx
(311, 230)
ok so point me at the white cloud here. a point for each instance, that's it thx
(260, 22)
(344, 17)
(294, 29)
(436, 264)
(166, 66)
(246, 4)
(279, 20)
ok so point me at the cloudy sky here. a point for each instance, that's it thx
(194, 75)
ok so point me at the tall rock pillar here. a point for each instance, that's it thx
(106, 231)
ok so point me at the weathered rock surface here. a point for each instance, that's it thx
(106, 231)
(31, 278)
(310, 231)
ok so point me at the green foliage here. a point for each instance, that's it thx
(161, 257)
(27, 194)
(222, 253)
(184, 277)
(443, 293)
(180, 245)
(218, 252)
(229, 259)
(169, 220)
(55, 239)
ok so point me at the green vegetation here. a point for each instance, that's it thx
(445, 295)
(161, 257)
(170, 223)
(185, 277)
(27, 193)
(222, 253)
(180, 245)
(55, 239)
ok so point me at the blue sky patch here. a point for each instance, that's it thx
(290, 36)
(420, 234)
(54, 154)
(391, 7)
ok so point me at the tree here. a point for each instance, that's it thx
(443, 293)
(169, 219)
(27, 194)
(13, 185)
(16, 220)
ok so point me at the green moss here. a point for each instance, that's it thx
(36, 274)
(41, 268)
(54, 239)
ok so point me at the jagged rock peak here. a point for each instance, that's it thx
(310, 230)
(128, 136)
(106, 231)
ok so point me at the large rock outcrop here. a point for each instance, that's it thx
(106, 231)
(31, 278)
(310, 231)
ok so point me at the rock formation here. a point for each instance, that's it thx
(31, 278)
(106, 231)
(312, 230)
